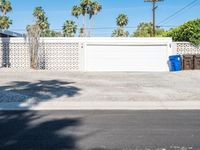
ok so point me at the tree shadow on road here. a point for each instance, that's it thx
(32, 131)
(39, 130)
(35, 92)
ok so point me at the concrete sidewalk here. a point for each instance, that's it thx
(99, 86)
(103, 105)
(47, 90)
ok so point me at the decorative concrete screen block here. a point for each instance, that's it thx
(187, 48)
(14, 54)
(5, 54)
(54, 54)
(1, 56)
(59, 56)
(19, 56)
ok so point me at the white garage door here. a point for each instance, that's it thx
(126, 58)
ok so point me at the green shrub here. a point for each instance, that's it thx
(188, 32)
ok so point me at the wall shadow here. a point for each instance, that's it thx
(5, 52)
(29, 130)
(35, 92)
(42, 56)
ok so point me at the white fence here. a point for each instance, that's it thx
(74, 54)
(14, 53)
(54, 54)
(186, 48)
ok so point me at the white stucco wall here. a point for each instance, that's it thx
(91, 54)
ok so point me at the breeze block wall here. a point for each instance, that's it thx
(54, 54)
(186, 48)
(14, 53)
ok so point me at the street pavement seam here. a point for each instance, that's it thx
(89, 105)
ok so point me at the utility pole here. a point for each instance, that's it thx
(154, 13)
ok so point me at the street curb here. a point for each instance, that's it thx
(104, 105)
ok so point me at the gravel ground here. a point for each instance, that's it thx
(20, 86)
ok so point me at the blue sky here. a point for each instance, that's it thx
(136, 10)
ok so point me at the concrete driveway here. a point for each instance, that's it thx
(64, 86)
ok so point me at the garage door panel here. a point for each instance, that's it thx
(126, 58)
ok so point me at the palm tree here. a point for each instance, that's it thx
(119, 32)
(38, 12)
(44, 24)
(95, 7)
(5, 7)
(81, 32)
(5, 22)
(41, 19)
(122, 20)
(76, 11)
(85, 5)
(69, 28)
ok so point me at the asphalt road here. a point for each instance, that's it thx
(96, 130)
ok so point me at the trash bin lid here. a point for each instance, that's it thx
(188, 56)
(197, 56)
(174, 57)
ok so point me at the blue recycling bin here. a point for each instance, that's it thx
(175, 63)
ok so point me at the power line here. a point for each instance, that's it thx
(97, 28)
(167, 26)
(102, 28)
(177, 12)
